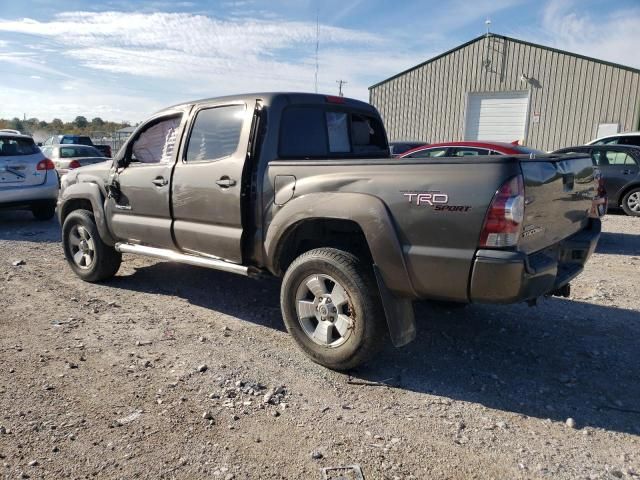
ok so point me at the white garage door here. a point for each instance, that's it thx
(497, 116)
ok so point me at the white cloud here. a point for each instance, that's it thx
(212, 56)
(612, 37)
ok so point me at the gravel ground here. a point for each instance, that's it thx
(171, 371)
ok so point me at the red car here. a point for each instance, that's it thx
(460, 149)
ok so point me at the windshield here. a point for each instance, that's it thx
(76, 151)
(13, 146)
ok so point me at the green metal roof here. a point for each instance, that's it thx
(481, 37)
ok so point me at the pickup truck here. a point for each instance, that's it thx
(302, 187)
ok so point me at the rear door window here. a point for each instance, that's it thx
(469, 151)
(215, 133)
(319, 132)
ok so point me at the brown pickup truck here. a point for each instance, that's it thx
(302, 187)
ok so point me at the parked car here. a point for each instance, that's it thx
(76, 140)
(463, 149)
(398, 148)
(27, 178)
(301, 186)
(620, 172)
(628, 138)
(67, 157)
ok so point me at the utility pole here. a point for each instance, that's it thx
(340, 84)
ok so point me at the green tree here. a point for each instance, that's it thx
(81, 122)
(57, 126)
(97, 122)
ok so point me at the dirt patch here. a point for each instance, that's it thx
(171, 371)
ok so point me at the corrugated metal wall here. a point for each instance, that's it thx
(570, 95)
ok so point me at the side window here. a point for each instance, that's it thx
(367, 135)
(429, 153)
(630, 140)
(619, 158)
(469, 151)
(215, 133)
(608, 141)
(156, 143)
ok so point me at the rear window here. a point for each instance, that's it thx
(14, 146)
(70, 152)
(319, 132)
(77, 140)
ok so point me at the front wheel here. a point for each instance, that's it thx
(331, 307)
(88, 256)
(631, 203)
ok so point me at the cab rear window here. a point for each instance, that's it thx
(325, 132)
(16, 146)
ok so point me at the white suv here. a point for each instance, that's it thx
(27, 178)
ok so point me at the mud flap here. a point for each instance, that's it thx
(399, 313)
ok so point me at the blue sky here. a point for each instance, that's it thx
(122, 60)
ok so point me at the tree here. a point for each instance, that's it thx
(97, 122)
(57, 125)
(81, 122)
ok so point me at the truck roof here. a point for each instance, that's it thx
(270, 97)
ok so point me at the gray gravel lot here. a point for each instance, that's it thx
(103, 380)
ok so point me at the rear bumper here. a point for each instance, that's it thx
(28, 195)
(510, 277)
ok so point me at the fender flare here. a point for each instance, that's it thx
(87, 191)
(371, 215)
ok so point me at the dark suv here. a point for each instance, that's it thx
(619, 167)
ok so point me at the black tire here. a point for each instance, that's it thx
(105, 259)
(43, 211)
(630, 203)
(367, 332)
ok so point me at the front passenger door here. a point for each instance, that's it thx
(137, 208)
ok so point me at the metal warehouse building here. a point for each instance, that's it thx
(499, 88)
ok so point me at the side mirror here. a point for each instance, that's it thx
(39, 144)
(121, 162)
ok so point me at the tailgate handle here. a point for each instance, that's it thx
(567, 181)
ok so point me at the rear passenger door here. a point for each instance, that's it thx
(207, 181)
(618, 168)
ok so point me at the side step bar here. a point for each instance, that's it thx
(188, 259)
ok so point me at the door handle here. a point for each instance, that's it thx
(160, 181)
(628, 172)
(225, 182)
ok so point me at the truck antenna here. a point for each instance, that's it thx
(317, 47)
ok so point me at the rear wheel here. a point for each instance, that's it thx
(88, 256)
(631, 203)
(43, 211)
(331, 307)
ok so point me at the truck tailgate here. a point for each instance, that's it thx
(558, 198)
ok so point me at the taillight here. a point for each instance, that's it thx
(74, 164)
(334, 99)
(45, 164)
(503, 223)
